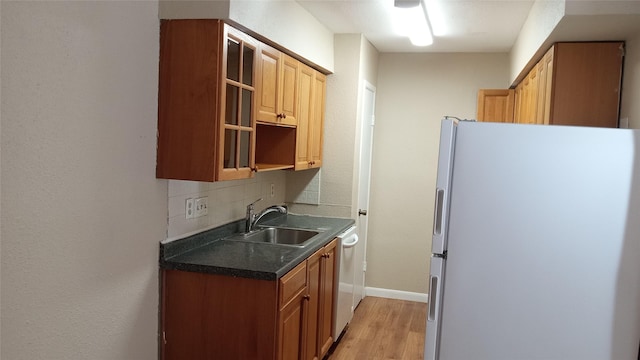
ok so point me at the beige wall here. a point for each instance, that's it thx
(228, 201)
(355, 61)
(630, 106)
(414, 92)
(82, 212)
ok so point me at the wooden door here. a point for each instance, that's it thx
(496, 105)
(311, 348)
(288, 102)
(325, 322)
(269, 59)
(317, 122)
(548, 84)
(292, 315)
(305, 93)
(586, 83)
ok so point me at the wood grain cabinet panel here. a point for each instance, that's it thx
(496, 105)
(208, 316)
(311, 107)
(574, 83)
(206, 101)
(278, 87)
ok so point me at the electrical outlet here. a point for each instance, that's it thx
(188, 209)
(273, 190)
(201, 206)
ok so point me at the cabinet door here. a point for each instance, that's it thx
(268, 102)
(292, 314)
(289, 91)
(586, 83)
(305, 96)
(327, 282)
(290, 328)
(236, 154)
(496, 105)
(548, 84)
(311, 348)
(278, 87)
(317, 122)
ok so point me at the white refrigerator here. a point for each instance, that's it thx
(536, 244)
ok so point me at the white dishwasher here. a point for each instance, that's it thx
(343, 306)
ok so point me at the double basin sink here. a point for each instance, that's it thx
(278, 236)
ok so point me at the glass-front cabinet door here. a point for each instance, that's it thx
(237, 132)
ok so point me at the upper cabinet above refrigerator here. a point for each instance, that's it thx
(574, 83)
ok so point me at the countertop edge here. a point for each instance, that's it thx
(171, 253)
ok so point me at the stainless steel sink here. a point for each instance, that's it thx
(278, 235)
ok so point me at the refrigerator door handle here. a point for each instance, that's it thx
(438, 213)
(434, 289)
(432, 338)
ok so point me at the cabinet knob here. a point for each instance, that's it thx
(284, 116)
(307, 297)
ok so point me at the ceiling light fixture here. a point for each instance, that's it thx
(416, 21)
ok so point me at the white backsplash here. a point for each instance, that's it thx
(227, 201)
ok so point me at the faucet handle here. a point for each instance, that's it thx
(253, 203)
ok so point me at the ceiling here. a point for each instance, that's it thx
(458, 25)
(475, 25)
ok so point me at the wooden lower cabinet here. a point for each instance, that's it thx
(208, 316)
(327, 292)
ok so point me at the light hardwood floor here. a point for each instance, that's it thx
(384, 329)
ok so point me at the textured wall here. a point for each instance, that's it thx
(283, 22)
(355, 61)
(415, 91)
(82, 212)
(228, 201)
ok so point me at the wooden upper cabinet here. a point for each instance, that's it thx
(496, 105)
(309, 135)
(573, 84)
(586, 83)
(278, 87)
(206, 101)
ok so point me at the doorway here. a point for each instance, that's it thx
(364, 182)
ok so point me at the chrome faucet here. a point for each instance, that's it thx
(252, 218)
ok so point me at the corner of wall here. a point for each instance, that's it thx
(543, 17)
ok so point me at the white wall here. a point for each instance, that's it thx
(285, 23)
(415, 91)
(82, 212)
(543, 18)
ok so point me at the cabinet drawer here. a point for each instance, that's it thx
(292, 283)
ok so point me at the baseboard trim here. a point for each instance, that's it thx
(396, 294)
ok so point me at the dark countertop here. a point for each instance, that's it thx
(209, 252)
